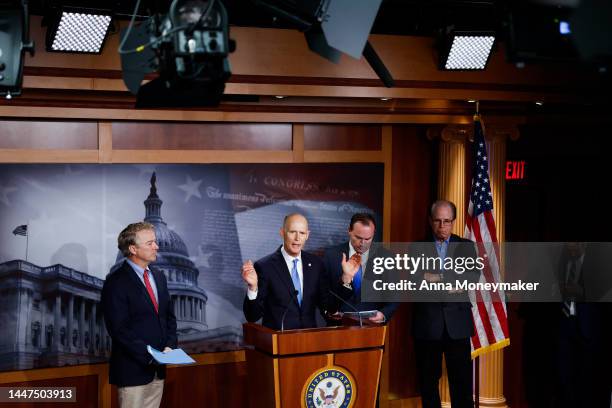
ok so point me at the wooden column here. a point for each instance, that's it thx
(451, 170)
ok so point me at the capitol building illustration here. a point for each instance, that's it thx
(50, 316)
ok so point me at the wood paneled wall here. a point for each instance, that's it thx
(48, 134)
(201, 136)
(413, 172)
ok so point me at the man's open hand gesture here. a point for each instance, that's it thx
(249, 275)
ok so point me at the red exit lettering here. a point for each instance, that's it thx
(515, 170)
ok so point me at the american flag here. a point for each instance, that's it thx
(21, 230)
(488, 308)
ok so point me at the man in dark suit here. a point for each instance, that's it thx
(444, 327)
(582, 340)
(286, 287)
(138, 311)
(347, 264)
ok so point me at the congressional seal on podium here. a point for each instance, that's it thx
(330, 387)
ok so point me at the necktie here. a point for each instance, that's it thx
(357, 277)
(296, 281)
(150, 290)
(357, 280)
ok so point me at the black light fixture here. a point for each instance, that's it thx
(466, 50)
(188, 48)
(77, 30)
(331, 27)
(14, 42)
(334, 27)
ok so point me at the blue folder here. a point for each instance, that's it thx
(176, 356)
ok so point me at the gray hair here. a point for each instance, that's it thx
(443, 203)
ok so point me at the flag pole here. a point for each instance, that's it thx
(476, 361)
(27, 239)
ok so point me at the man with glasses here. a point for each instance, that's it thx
(138, 312)
(348, 263)
(444, 326)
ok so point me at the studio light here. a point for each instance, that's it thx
(80, 31)
(188, 48)
(331, 27)
(334, 27)
(466, 50)
(14, 42)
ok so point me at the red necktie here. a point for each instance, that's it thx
(150, 289)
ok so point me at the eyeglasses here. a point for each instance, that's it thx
(444, 222)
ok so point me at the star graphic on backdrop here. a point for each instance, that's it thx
(191, 188)
(4, 192)
(203, 257)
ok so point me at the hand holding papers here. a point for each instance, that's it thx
(364, 313)
(176, 356)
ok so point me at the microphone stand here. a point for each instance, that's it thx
(292, 295)
(349, 305)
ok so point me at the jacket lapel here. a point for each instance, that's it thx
(346, 249)
(140, 287)
(283, 272)
(309, 276)
(453, 243)
(158, 278)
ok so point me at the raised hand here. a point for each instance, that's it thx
(249, 275)
(350, 267)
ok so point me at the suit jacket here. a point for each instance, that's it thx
(430, 319)
(276, 294)
(332, 258)
(132, 324)
(590, 306)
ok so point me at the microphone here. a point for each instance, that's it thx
(292, 295)
(349, 305)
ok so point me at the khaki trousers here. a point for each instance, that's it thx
(141, 396)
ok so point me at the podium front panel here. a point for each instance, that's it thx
(365, 368)
(294, 373)
(314, 367)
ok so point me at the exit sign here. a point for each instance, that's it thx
(515, 169)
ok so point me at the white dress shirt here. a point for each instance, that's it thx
(252, 294)
(140, 272)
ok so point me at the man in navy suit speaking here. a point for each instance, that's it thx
(138, 311)
(285, 287)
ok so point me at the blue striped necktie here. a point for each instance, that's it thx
(295, 277)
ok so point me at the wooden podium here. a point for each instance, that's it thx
(312, 367)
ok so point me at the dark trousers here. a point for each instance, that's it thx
(458, 366)
(581, 370)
